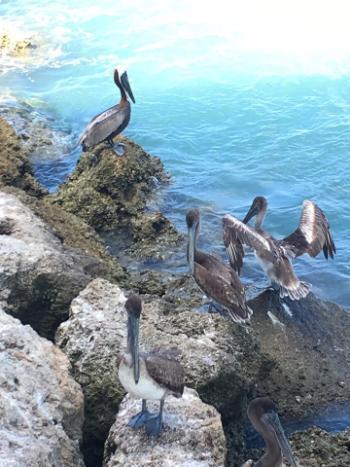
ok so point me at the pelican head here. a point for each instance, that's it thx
(192, 221)
(133, 307)
(126, 85)
(262, 412)
(258, 208)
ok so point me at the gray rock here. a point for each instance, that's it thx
(41, 406)
(211, 346)
(38, 275)
(92, 339)
(192, 436)
(317, 448)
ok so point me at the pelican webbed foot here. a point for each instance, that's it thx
(118, 148)
(138, 420)
(153, 424)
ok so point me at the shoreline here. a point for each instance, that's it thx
(97, 194)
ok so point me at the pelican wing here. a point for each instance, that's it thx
(223, 286)
(163, 367)
(237, 234)
(312, 235)
(234, 247)
(111, 121)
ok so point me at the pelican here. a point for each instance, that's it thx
(263, 416)
(108, 124)
(217, 280)
(311, 236)
(152, 375)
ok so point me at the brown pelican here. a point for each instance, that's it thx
(217, 280)
(108, 124)
(152, 375)
(263, 416)
(312, 235)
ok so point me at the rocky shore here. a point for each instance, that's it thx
(58, 276)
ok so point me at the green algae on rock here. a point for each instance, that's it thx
(106, 190)
(15, 168)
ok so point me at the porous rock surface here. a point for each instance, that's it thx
(211, 347)
(192, 435)
(38, 275)
(41, 406)
(112, 194)
(15, 168)
(92, 338)
(317, 448)
(311, 353)
(105, 189)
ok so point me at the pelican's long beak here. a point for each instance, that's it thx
(272, 419)
(190, 247)
(253, 211)
(133, 332)
(126, 85)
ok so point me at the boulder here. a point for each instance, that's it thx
(106, 189)
(39, 275)
(15, 168)
(219, 358)
(41, 406)
(112, 194)
(310, 350)
(92, 339)
(317, 448)
(192, 435)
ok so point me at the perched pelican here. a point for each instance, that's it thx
(152, 375)
(108, 124)
(217, 280)
(312, 235)
(263, 416)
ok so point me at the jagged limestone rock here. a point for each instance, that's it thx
(192, 435)
(41, 406)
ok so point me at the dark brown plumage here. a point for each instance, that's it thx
(163, 366)
(218, 281)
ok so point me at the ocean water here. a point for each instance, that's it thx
(237, 100)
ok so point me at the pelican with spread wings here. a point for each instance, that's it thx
(311, 236)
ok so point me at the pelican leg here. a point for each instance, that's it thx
(140, 418)
(153, 424)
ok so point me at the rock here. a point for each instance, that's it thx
(192, 436)
(36, 129)
(16, 48)
(219, 358)
(106, 189)
(316, 448)
(111, 193)
(92, 339)
(39, 276)
(310, 357)
(15, 169)
(41, 406)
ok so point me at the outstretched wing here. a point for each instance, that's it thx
(312, 235)
(237, 233)
(234, 247)
(163, 367)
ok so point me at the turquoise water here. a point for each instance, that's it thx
(236, 100)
